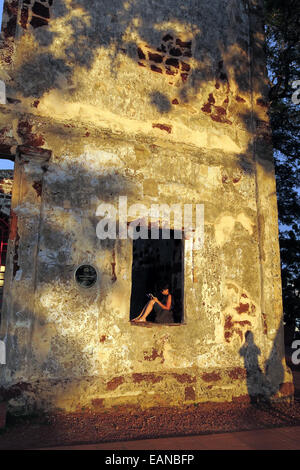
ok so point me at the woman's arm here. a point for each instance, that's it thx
(168, 304)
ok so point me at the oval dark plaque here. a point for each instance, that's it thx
(86, 275)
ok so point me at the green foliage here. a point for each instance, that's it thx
(282, 27)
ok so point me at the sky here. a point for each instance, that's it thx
(1, 8)
(4, 164)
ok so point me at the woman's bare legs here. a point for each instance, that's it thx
(144, 308)
(145, 312)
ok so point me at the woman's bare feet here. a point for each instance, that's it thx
(139, 319)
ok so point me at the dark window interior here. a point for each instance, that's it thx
(155, 263)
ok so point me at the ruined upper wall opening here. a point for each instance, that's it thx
(35, 13)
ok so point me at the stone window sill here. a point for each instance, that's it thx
(151, 324)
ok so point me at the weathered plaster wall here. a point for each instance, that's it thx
(162, 102)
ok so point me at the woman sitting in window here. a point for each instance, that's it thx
(163, 311)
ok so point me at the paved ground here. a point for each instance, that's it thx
(264, 439)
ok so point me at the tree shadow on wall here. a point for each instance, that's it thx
(45, 341)
(206, 51)
(123, 24)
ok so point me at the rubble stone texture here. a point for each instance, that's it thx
(162, 102)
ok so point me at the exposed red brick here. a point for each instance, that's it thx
(103, 339)
(185, 67)
(13, 227)
(242, 308)
(211, 99)
(170, 72)
(152, 378)
(217, 118)
(154, 355)
(227, 336)
(228, 322)
(175, 101)
(211, 376)
(156, 69)
(184, 77)
(189, 394)
(141, 53)
(229, 328)
(35, 140)
(24, 128)
(184, 378)
(173, 62)
(220, 111)
(25, 131)
(237, 179)
(244, 323)
(206, 108)
(155, 57)
(163, 127)
(237, 373)
(115, 383)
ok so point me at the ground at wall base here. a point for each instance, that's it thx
(80, 428)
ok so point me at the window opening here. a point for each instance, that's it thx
(157, 263)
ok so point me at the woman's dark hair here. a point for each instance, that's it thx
(165, 286)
